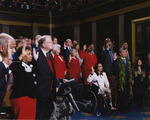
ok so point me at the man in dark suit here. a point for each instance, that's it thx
(46, 79)
(7, 48)
(65, 52)
(108, 58)
(125, 46)
(124, 80)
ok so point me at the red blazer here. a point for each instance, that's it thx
(74, 69)
(60, 66)
(89, 60)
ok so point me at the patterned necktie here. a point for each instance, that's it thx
(47, 55)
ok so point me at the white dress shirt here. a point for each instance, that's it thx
(1, 58)
(43, 52)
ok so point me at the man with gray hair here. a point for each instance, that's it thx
(47, 84)
(7, 48)
(124, 79)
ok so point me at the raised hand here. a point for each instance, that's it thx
(92, 69)
(103, 47)
(115, 56)
(84, 47)
(35, 54)
(23, 52)
(70, 58)
(65, 45)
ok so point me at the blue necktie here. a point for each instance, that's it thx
(69, 48)
(124, 60)
(111, 56)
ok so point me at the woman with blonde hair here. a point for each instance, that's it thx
(73, 65)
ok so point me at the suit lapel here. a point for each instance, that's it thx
(52, 63)
(4, 73)
(44, 61)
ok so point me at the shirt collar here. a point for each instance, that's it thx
(43, 52)
(1, 58)
(6, 66)
(122, 58)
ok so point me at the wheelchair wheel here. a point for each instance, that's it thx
(90, 96)
(98, 113)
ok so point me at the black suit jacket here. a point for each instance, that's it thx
(45, 77)
(3, 82)
(147, 69)
(65, 53)
(107, 64)
(24, 83)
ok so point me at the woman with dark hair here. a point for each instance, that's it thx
(99, 79)
(89, 59)
(139, 83)
(24, 85)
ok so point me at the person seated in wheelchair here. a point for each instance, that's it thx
(99, 79)
(75, 88)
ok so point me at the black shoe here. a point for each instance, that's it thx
(128, 109)
(139, 107)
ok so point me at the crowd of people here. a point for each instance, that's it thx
(34, 69)
(53, 5)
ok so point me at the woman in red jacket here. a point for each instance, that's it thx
(59, 62)
(73, 64)
(89, 59)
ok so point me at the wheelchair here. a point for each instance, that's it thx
(98, 102)
(64, 106)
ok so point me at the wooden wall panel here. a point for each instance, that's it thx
(44, 31)
(128, 27)
(1, 28)
(63, 33)
(17, 31)
(85, 34)
(107, 28)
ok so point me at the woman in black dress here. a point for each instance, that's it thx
(139, 83)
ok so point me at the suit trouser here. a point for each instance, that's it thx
(2, 95)
(123, 99)
(44, 108)
(112, 82)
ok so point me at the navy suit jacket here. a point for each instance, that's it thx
(45, 77)
(116, 67)
(107, 64)
(3, 82)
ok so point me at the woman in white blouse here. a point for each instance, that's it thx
(99, 78)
